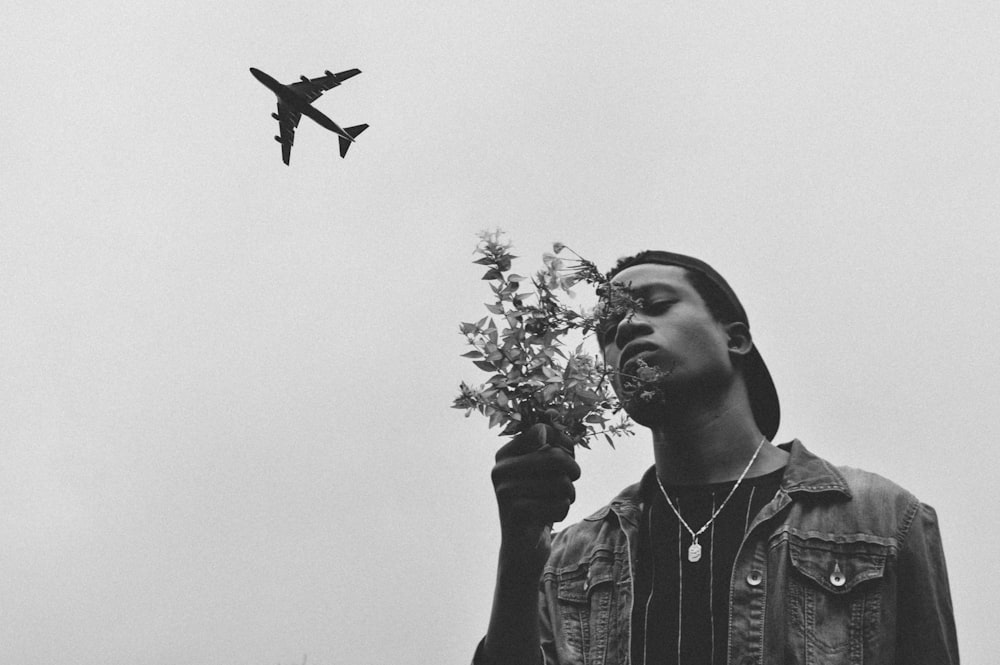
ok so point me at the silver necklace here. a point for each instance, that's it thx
(694, 552)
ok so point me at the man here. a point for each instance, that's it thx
(730, 550)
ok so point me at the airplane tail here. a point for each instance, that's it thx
(352, 132)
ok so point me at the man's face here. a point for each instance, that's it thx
(672, 331)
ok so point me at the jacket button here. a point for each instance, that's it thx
(754, 579)
(837, 577)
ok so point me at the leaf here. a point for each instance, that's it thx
(492, 273)
(495, 308)
(472, 354)
(484, 365)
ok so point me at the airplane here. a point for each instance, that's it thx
(295, 100)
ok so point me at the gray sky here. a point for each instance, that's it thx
(226, 434)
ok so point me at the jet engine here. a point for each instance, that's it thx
(328, 73)
(275, 116)
(304, 79)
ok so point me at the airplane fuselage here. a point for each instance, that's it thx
(271, 84)
(296, 102)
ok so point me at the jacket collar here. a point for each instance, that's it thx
(805, 474)
(808, 473)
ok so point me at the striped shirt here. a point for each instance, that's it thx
(681, 610)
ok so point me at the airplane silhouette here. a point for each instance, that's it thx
(295, 100)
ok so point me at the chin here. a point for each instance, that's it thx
(647, 401)
(646, 412)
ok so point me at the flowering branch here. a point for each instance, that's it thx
(534, 377)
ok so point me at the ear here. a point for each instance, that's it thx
(740, 341)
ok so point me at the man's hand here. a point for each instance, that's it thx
(533, 480)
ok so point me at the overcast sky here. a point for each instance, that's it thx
(225, 383)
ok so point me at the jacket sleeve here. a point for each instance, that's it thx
(925, 620)
(479, 659)
(546, 655)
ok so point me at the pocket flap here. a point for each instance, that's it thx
(575, 584)
(838, 566)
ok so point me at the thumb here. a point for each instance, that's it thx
(534, 438)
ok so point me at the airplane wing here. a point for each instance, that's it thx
(288, 120)
(311, 89)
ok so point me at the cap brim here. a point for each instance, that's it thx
(763, 394)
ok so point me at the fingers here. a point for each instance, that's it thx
(535, 500)
(533, 479)
(539, 489)
(542, 461)
(535, 439)
(531, 439)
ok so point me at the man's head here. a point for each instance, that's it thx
(685, 321)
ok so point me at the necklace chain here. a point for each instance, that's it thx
(694, 552)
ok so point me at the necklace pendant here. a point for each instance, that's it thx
(694, 552)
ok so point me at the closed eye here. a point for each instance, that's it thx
(657, 307)
(607, 325)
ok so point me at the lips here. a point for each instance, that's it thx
(632, 350)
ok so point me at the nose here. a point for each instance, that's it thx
(631, 326)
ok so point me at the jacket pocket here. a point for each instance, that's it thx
(585, 596)
(835, 594)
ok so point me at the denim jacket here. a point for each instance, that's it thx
(842, 566)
